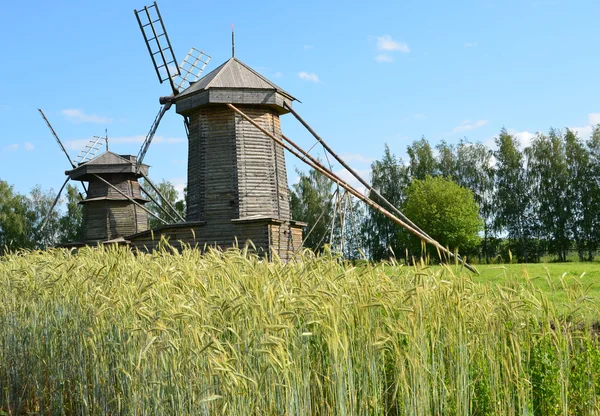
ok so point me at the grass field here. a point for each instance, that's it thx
(110, 332)
(565, 284)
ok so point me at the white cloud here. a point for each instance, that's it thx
(470, 44)
(351, 180)
(594, 118)
(582, 132)
(308, 47)
(78, 116)
(11, 147)
(467, 126)
(28, 146)
(386, 43)
(524, 137)
(384, 57)
(309, 76)
(278, 74)
(356, 157)
(179, 184)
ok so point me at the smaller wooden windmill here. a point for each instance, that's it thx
(114, 206)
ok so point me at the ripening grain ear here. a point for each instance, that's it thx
(110, 331)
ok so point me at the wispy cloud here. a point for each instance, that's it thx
(356, 157)
(312, 77)
(11, 147)
(28, 146)
(351, 180)
(179, 184)
(384, 57)
(80, 143)
(386, 43)
(470, 44)
(75, 115)
(467, 126)
(585, 132)
(308, 47)
(278, 74)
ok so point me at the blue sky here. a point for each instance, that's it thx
(367, 73)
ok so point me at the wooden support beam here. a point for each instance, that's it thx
(147, 179)
(315, 164)
(157, 204)
(380, 197)
(131, 199)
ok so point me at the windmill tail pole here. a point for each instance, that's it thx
(301, 155)
(56, 137)
(341, 161)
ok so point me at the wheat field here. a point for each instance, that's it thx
(108, 331)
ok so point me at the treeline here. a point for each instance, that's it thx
(533, 201)
(27, 223)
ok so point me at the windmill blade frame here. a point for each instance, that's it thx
(191, 68)
(165, 53)
(54, 204)
(56, 137)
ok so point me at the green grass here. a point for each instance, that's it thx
(564, 284)
(110, 332)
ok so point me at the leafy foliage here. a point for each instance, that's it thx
(446, 210)
(312, 202)
(160, 208)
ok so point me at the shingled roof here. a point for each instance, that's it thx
(232, 74)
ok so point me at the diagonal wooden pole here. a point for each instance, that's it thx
(342, 162)
(131, 199)
(315, 164)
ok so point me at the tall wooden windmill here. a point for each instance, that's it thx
(237, 184)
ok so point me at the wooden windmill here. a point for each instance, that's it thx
(237, 186)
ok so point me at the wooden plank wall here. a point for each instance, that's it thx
(283, 238)
(114, 215)
(262, 179)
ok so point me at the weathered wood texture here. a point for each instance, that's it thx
(106, 219)
(234, 170)
(267, 237)
(108, 214)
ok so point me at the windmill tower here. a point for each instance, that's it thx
(236, 174)
(237, 184)
(113, 206)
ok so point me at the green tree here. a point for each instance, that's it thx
(512, 196)
(71, 222)
(548, 175)
(590, 224)
(579, 186)
(40, 202)
(444, 210)
(421, 159)
(16, 219)
(312, 202)
(168, 191)
(475, 171)
(447, 162)
(390, 177)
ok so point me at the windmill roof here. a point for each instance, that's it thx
(107, 162)
(233, 74)
(109, 158)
